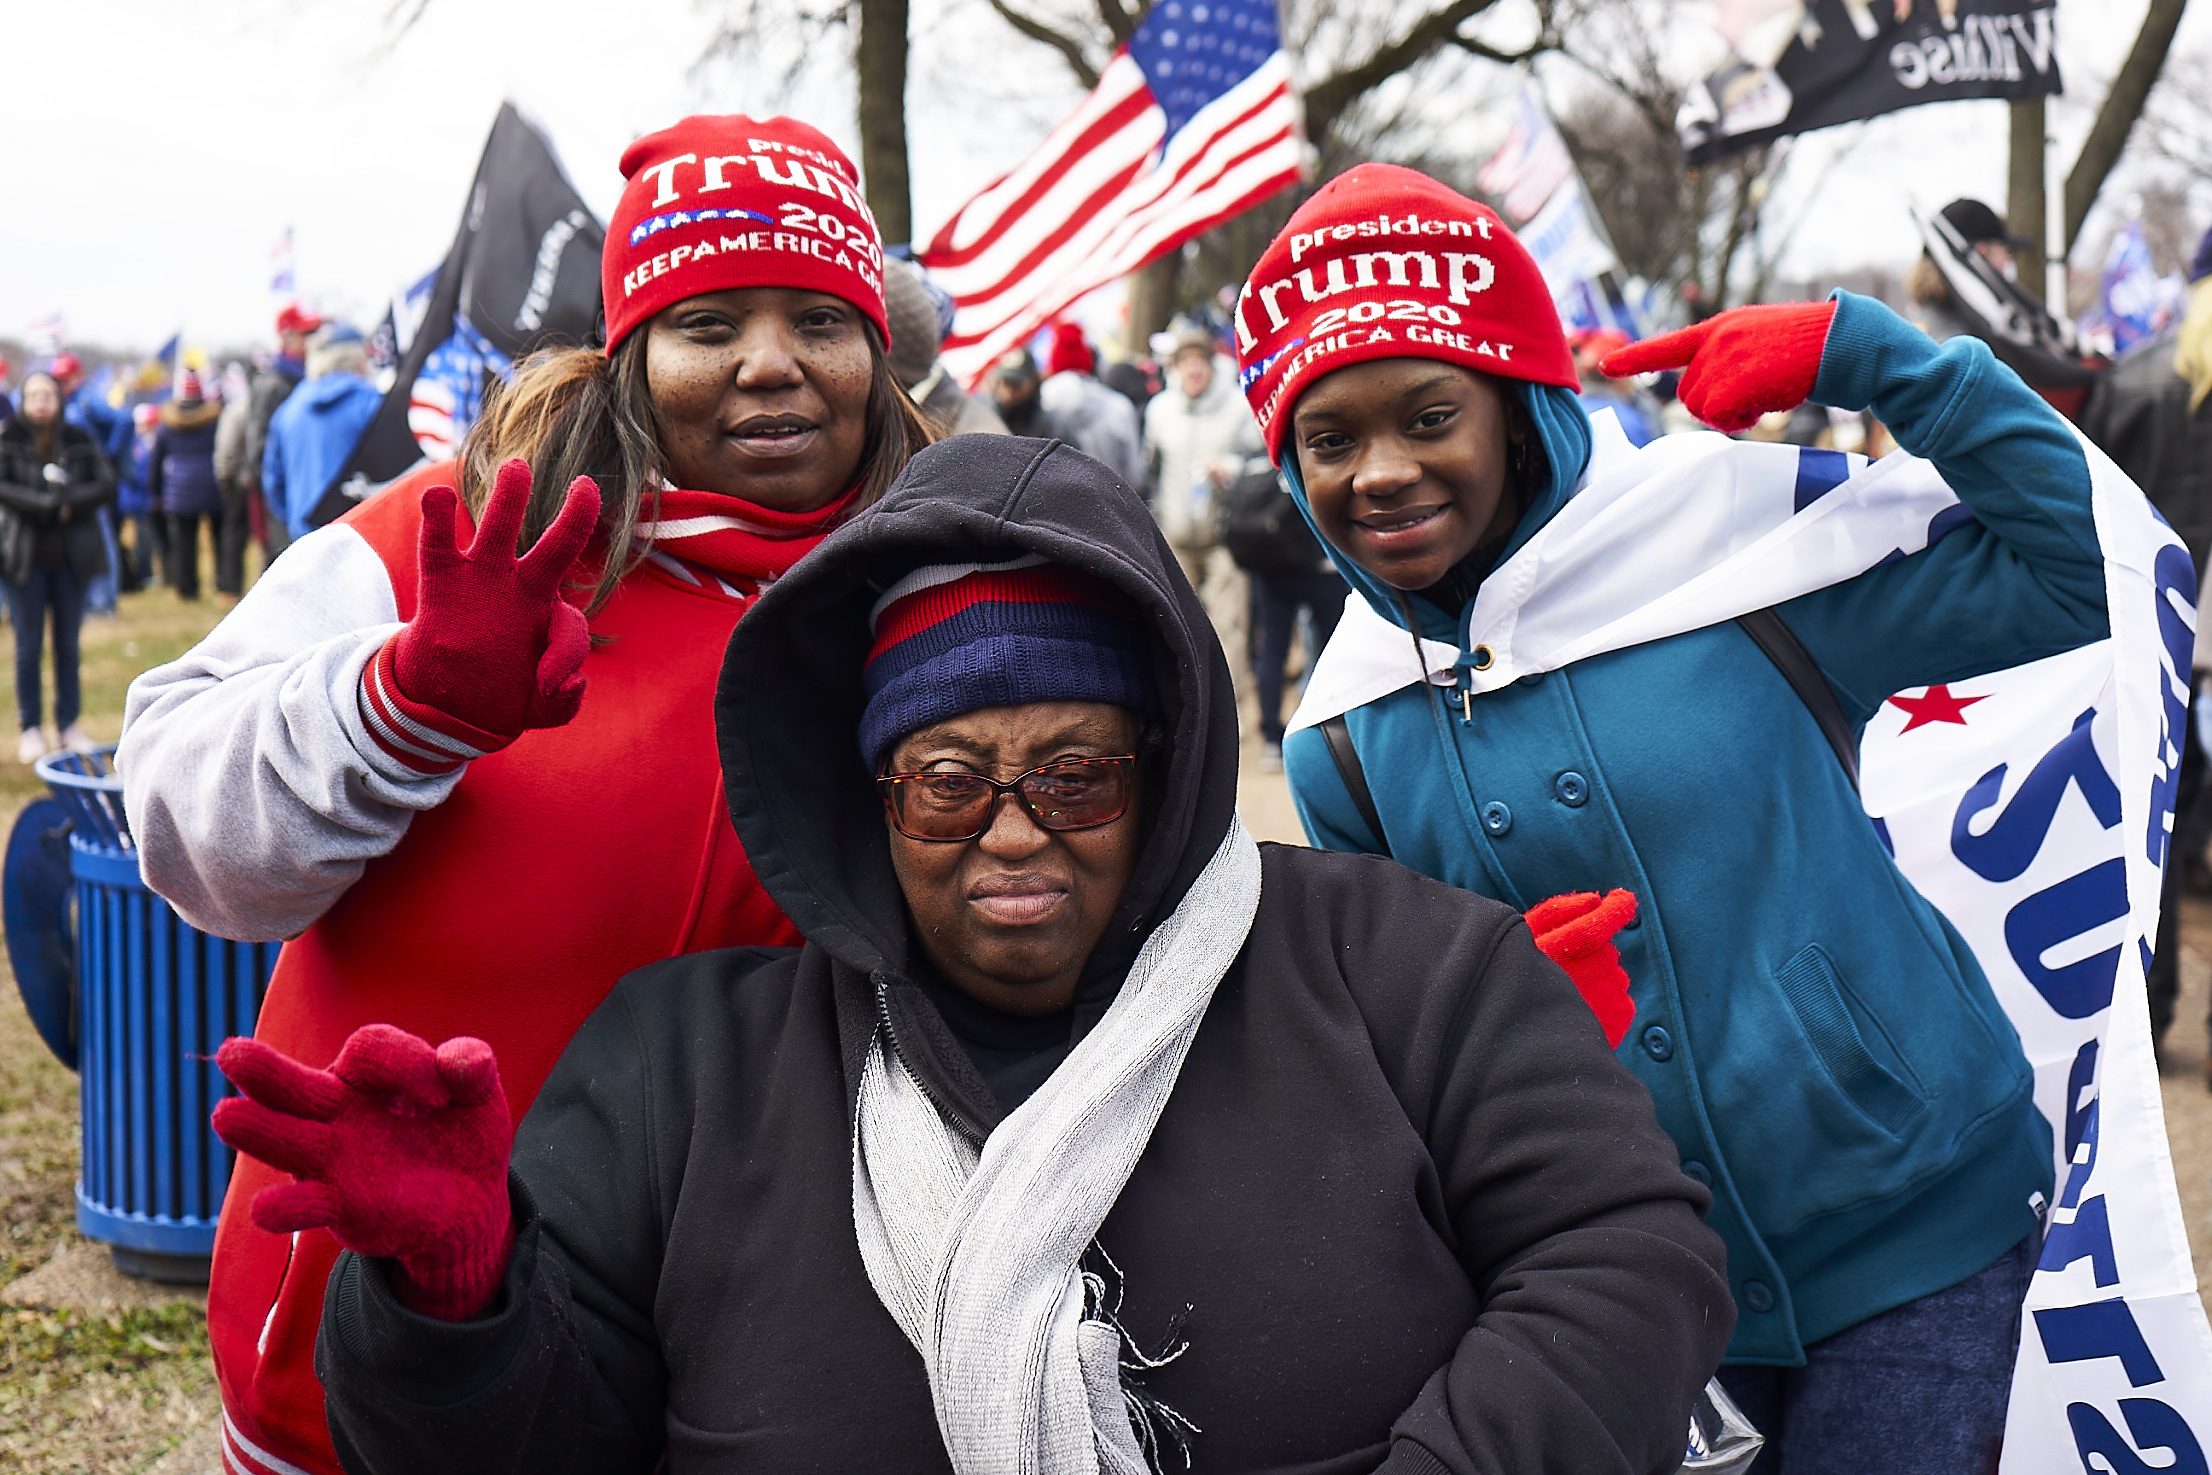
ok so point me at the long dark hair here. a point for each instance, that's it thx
(574, 412)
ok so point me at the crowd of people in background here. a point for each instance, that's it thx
(238, 455)
(112, 483)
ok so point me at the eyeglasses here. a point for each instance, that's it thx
(1072, 794)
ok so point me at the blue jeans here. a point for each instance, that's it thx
(100, 594)
(1918, 1390)
(56, 589)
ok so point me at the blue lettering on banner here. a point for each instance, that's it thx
(2076, 905)
(2081, 1108)
(2006, 851)
(2097, 1330)
(1819, 472)
(2152, 1424)
(2177, 582)
(2088, 1237)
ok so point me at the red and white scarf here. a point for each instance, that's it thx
(740, 547)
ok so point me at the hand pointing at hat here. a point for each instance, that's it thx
(1738, 365)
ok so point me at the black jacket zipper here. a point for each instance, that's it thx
(958, 1119)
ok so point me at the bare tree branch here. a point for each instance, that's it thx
(1329, 97)
(1069, 47)
(2108, 135)
(1487, 52)
(1122, 20)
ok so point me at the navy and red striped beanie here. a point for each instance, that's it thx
(954, 638)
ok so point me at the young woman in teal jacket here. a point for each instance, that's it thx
(1822, 1045)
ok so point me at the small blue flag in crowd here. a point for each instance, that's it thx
(2134, 303)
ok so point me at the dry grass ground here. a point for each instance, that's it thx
(97, 1375)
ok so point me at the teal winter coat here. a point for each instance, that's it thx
(1822, 1046)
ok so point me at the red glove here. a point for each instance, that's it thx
(398, 1150)
(1743, 363)
(493, 649)
(1576, 932)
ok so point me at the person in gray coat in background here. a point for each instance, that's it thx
(1198, 432)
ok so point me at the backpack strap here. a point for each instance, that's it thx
(1773, 635)
(1767, 630)
(1346, 757)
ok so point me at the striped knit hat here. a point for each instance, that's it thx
(955, 637)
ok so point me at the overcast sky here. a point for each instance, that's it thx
(160, 150)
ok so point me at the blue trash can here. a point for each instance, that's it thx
(153, 998)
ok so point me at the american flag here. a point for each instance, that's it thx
(1192, 122)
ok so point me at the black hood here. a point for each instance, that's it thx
(787, 711)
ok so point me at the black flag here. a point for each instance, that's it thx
(523, 271)
(1854, 59)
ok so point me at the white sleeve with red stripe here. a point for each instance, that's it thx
(255, 786)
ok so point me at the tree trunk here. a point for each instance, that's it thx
(880, 61)
(2024, 197)
(2122, 106)
(1152, 300)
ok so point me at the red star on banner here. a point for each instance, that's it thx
(1936, 705)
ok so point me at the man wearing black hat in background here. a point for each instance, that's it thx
(2032, 342)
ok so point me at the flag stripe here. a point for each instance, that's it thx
(1232, 172)
(1102, 211)
(1109, 190)
(1115, 144)
(1122, 81)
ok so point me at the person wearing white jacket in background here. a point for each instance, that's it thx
(1197, 433)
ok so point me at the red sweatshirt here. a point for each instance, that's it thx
(500, 900)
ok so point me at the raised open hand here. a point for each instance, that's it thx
(399, 1150)
(1575, 930)
(1740, 364)
(492, 644)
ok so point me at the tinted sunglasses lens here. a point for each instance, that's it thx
(1076, 796)
(941, 806)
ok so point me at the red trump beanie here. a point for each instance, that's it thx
(1384, 262)
(714, 203)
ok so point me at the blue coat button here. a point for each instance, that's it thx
(1697, 1172)
(1533, 678)
(1658, 1044)
(1572, 788)
(1758, 1296)
(1496, 818)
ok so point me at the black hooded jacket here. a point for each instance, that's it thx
(1403, 1205)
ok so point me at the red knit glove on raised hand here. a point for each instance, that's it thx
(493, 649)
(400, 1151)
(1740, 364)
(1576, 932)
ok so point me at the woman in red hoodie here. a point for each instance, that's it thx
(471, 788)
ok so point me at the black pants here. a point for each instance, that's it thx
(2192, 828)
(230, 540)
(1276, 600)
(183, 552)
(148, 532)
